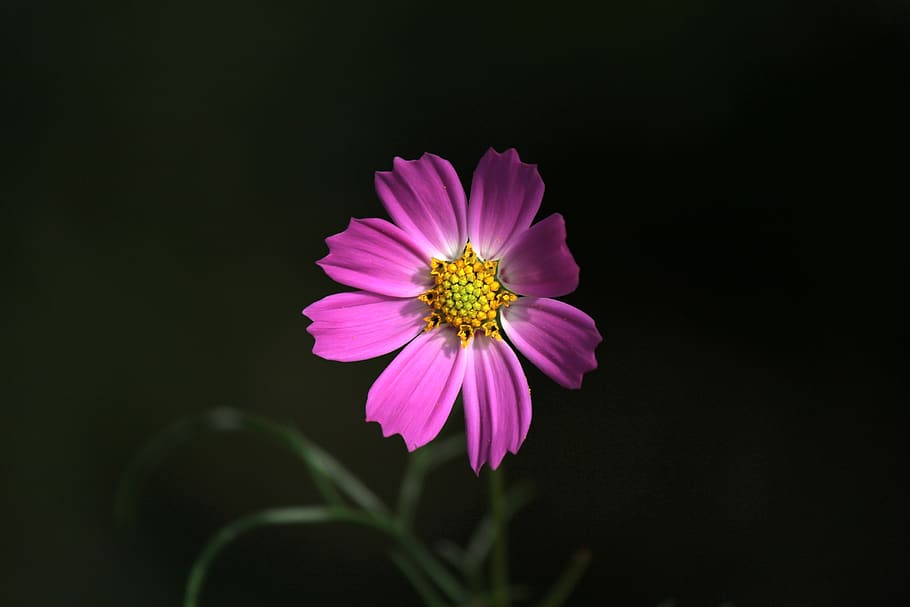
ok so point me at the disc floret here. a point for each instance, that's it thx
(467, 295)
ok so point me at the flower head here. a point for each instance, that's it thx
(448, 279)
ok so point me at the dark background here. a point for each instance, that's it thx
(733, 179)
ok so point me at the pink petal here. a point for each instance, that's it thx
(558, 338)
(377, 256)
(426, 199)
(361, 325)
(505, 196)
(497, 402)
(414, 395)
(539, 263)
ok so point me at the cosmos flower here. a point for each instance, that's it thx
(448, 279)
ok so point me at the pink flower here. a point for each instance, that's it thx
(447, 279)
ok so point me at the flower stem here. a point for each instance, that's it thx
(500, 563)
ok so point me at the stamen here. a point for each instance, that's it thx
(467, 296)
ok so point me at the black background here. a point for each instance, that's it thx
(733, 179)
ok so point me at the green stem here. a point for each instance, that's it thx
(500, 565)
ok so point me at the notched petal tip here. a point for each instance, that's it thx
(388, 432)
(426, 199)
(505, 196)
(414, 395)
(477, 467)
(557, 337)
(497, 403)
(510, 155)
(539, 262)
(360, 325)
(375, 255)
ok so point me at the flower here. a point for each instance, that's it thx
(447, 279)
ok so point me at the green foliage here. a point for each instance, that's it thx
(460, 582)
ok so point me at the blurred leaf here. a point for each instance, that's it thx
(499, 562)
(516, 593)
(566, 582)
(443, 578)
(327, 473)
(347, 482)
(416, 553)
(451, 552)
(420, 583)
(302, 515)
(420, 463)
(516, 497)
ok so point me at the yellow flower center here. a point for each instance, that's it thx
(467, 295)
